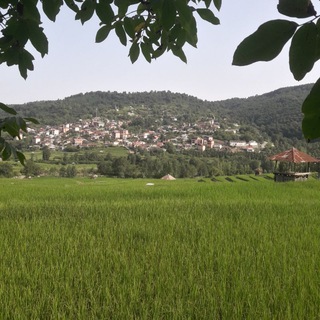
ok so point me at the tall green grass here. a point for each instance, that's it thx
(118, 249)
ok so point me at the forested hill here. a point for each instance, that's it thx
(114, 105)
(276, 113)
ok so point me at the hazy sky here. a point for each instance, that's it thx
(77, 64)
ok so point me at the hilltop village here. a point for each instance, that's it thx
(101, 132)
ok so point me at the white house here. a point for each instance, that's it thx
(237, 144)
(253, 144)
(36, 140)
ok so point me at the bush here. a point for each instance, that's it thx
(6, 170)
(71, 172)
(31, 169)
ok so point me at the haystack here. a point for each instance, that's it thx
(168, 177)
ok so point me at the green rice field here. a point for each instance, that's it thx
(119, 249)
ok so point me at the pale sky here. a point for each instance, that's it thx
(76, 64)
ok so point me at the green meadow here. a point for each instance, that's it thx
(119, 249)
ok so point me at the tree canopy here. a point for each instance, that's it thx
(152, 27)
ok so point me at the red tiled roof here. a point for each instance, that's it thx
(293, 155)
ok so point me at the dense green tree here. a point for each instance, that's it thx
(207, 164)
(46, 153)
(119, 167)
(6, 170)
(254, 164)
(105, 168)
(62, 171)
(71, 149)
(190, 171)
(31, 169)
(53, 171)
(71, 171)
(170, 147)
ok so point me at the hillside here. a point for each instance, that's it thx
(115, 105)
(276, 114)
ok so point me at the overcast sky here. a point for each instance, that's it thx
(77, 64)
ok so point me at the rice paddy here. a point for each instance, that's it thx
(119, 249)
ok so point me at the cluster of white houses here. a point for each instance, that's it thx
(96, 132)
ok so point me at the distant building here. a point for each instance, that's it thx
(116, 134)
(36, 140)
(237, 144)
(78, 141)
(253, 144)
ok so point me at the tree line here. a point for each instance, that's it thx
(143, 164)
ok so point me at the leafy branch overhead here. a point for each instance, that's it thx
(151, 27)
(267, 42)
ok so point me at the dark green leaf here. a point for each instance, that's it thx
(207, 3)
(177, 51)
(86, 12)
(21, 124)
(128, 27)
(186, 17)
(146, 51)
(177, 35)
(17, 31)
(156, 5)
(2, 143)
(153, 36)
(164, 38)
(217, 4)
(105, 12)
(6, 151)
(37, 37)
(311, 111)
(30, 11)
(21, 157)
(51, 8)
(72, 5)
(296, 8)
(159, 51)
(188, 22)
(134, 52)
(33, 120)
(168, 14)
(192, 38)
(6, 42)
(7, 109)
(302, 54)
(264, 44)
(4, 4)
(139, 25)
(103, 33)
(122, 7)
(120, 33)
(141, 8)
(11, 126)
(207, 14)
(25, 62)
(318, 40)
(11, 56)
